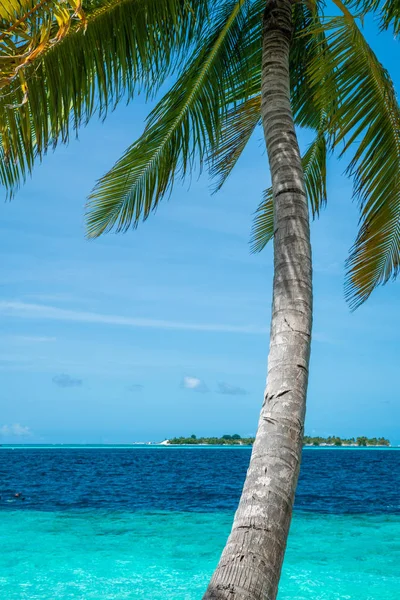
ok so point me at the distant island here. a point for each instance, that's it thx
(337, 441)
(237, 440)
(225, 440)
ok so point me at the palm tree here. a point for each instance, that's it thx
(237, 63)
(251, 562)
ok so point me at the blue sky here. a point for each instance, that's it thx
(164, 331)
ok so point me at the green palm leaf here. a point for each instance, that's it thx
(126, 46)
(387, 12)
(262, 231)
(367, 125)
(184, 127)
(242, 119)
(237, 128)
(243, 116)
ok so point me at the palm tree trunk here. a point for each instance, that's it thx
(250, 565)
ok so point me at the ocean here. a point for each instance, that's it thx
(149, 523)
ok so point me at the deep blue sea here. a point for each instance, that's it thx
(149, 523)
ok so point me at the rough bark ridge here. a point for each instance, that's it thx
(250, 565)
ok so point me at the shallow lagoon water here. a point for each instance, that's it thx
(123, 524)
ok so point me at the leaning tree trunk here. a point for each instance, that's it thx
(250, 565)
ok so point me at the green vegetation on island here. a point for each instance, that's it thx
(225, 440)
(237, 440)
(337, 441)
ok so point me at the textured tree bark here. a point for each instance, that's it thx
(250, 565)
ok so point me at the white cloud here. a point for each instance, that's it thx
(195, 384)
(15, 430)
(231, 390)
(25, 310)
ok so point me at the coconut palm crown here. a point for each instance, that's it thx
(63, 62)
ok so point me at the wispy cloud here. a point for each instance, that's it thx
(25, 310)
(15, 430)
(32, 339)
(50, 297)
(230, 390)
(64, 380)
(195, 384)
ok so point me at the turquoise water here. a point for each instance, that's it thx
(97, 555)
(139, 524)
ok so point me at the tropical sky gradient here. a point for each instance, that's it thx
(164, 331)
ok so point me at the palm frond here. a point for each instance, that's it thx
(242, 119)
(367, 126)
(125, 46)
(28, 28)
(387, 12)
(314, 165)
(182, 128)
(237, 128)
(262, 230)
(309, 101)
(391, 16)
(244, 114)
